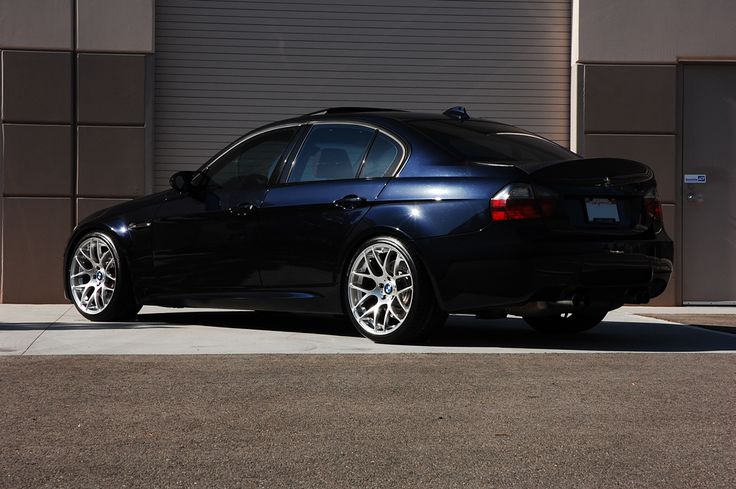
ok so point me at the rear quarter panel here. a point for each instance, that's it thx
(423, 207)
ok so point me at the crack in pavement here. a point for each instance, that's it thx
(48, 325)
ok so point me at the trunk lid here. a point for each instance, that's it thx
(597, 196)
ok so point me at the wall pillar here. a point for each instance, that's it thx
(75, 119)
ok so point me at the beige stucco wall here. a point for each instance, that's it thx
(653, 31)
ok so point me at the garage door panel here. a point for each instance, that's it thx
(227, 66)
(234, 46)
(177, 71)
(316, 83)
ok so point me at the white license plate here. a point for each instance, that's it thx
(602, 210)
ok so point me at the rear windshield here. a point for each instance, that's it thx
(488, 142)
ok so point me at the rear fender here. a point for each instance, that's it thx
(428, 207)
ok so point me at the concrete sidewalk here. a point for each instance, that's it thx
(60, 330)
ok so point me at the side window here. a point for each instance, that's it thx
(331, 152)
(251, 163)
(382, 158)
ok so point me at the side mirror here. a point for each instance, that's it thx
(181, 181)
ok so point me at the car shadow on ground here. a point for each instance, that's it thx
(468, 332)
(608, 336)
(459, 332)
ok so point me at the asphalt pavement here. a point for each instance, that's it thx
(238, 399)
(663, 420)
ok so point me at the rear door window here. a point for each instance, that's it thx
(331, 152)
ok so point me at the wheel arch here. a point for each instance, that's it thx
(79, 234)
(359, 238)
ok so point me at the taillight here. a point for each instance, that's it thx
(519, 201)
(652, 206)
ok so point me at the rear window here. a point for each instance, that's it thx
(484, 141)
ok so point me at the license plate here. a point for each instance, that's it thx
(602, 210)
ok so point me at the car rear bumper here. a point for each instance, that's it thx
(471, 274)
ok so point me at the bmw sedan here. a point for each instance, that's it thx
(394, 219)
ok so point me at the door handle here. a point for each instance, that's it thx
(350, 202)
(242, 209)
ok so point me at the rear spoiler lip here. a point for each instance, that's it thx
(530, 169)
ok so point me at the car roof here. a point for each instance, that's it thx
(376, 115)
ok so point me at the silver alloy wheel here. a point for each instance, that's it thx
(92, 275)
(380, 288)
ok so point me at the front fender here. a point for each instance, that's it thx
(119, 236)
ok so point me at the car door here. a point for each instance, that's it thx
(204, 239)
(305, 220)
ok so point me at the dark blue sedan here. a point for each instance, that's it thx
(392, 218)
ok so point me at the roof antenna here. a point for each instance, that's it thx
(457, 112)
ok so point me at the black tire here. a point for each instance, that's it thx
(571, 323)
(424, 315)
(122, 305)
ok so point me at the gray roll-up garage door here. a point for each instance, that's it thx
(225, 67)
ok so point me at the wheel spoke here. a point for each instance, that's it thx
(378, 261)
(386, 317)
(363, 275)
(401, 303)
(98, 298)
(391, 311)
(365, 291)
(374, 310)
(105, 255)
(368, 312)
(361, 301)
(87, 288)
(79, 262)
(385, 261)
(92, 256)
(88, 255)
